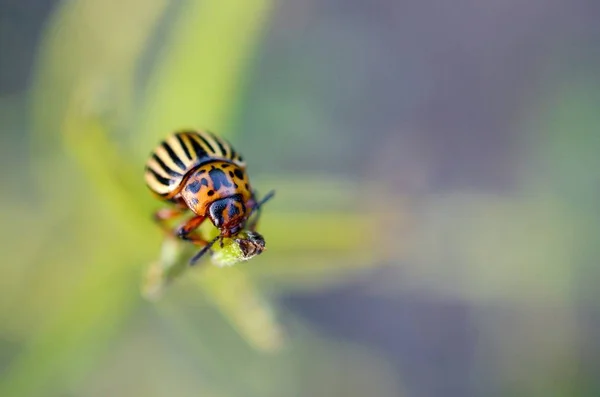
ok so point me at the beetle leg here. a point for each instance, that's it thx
(162, 216)
(203, 251)
(185, 231)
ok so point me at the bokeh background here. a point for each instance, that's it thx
(435, 229)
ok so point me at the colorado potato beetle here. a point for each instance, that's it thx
(200, 172)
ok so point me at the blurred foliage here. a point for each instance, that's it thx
(94, 302)
(90, 238)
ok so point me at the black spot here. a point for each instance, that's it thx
(231, 174)
(219, 178)
(225, 165)
(210, 192)
(239, 174)
(235, 185)
(240, 158)
(201, 172)
(193, 187)
(246, 186)
(212, 167)
(204, 182)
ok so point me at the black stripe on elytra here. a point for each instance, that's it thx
(184, 146)
(231, 149)
(193, 187)
(220, 145)
(173, 156)
(219, 178)
(162, 180)
(236, 156)
(198, 151)
(208, 145)
(165, 167)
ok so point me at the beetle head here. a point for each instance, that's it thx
(228, 214)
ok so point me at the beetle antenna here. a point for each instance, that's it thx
(203, 251)
(267, 197)
(256, 208)
(262, 202)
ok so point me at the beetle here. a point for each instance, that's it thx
(197, 171)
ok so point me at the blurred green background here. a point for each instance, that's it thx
(435, 229)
